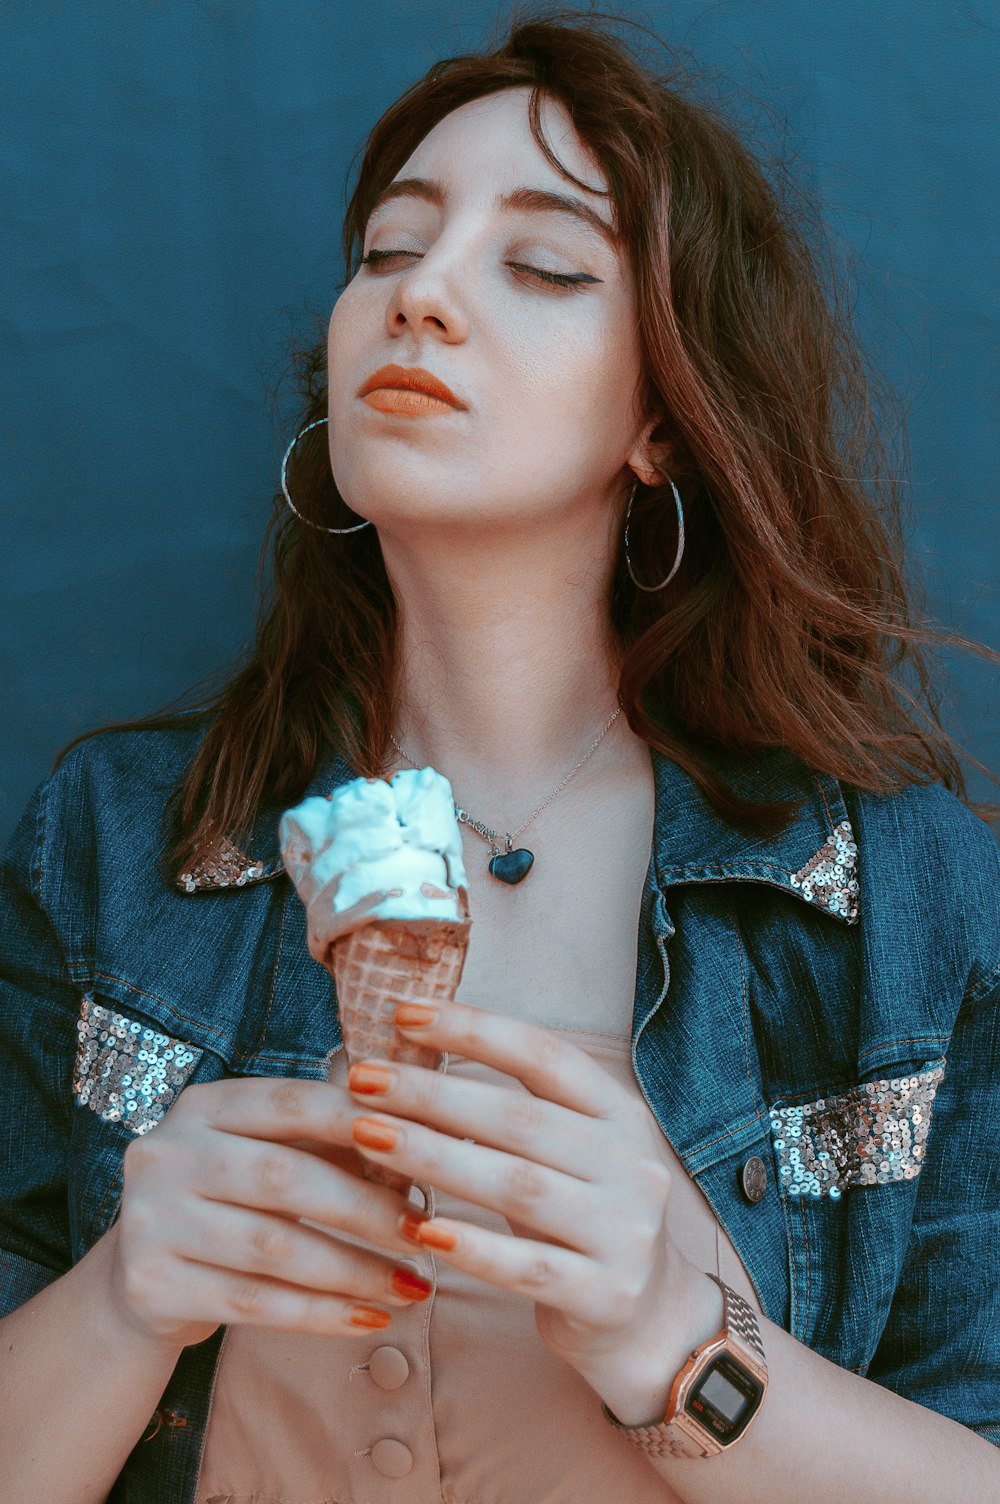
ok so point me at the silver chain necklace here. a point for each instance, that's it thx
(512, 866)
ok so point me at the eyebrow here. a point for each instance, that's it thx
(525, 200)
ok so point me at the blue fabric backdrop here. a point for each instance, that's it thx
(174, 186)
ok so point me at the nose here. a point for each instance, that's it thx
(425, 302)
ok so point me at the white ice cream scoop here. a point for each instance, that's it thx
(400, 837)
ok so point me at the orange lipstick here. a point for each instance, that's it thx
(408, 391)
(407, 402)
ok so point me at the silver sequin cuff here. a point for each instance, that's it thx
(126, 1072)
(871, 1134)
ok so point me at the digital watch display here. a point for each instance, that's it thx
(725, 1399)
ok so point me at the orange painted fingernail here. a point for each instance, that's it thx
(436, 1237)
(369, 1316)
(409, 1223)
(414, 1016)
(373, 1135)
(405, 1282)
(370, 1080)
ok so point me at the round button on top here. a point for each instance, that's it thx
(754, 1178)
(388, 1367)
(391, 1458)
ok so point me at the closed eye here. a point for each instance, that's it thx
(568, 280)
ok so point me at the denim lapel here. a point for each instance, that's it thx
(694, 1053)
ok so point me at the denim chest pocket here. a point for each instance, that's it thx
(847, 1164)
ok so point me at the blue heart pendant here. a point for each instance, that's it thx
(512, 866)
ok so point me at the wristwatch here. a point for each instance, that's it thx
(716, 1394)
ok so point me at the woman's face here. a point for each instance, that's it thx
(522, 307)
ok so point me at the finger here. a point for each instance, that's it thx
(500, 1116)
(333, 1154)
(571, 1211)
(542, 1059)
(285, 1250)
(277, 1109)
(558, 1277)
(200, 1292)
(270, 1177)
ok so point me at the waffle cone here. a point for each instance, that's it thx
(380, 965)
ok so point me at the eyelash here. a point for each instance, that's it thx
(569, 281)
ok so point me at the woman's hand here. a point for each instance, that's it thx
(575, 1169)
(208, 1231)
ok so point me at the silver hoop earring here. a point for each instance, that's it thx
(680, 541)
(284, 486)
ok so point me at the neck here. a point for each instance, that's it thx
(507, 673)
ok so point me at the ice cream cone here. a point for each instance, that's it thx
(380, 965)
(378, 865)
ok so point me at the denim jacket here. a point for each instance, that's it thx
(816, 1029)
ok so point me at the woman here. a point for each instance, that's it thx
(587, 546)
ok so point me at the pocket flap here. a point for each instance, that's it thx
(869, 1134)
(125, 1071)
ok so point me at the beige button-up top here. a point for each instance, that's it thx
(457, 1402)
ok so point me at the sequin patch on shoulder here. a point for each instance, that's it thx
(830, 878)
(224, 866)
(125, 1072)
(871, 1134)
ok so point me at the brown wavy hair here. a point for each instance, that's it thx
(789, 623)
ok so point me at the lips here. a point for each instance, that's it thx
(409, 379)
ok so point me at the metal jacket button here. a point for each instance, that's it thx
(391, 1458)
(754, 1177)
(388, 1367)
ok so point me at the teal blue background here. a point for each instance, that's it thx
(174, 181)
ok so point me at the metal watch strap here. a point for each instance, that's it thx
(741, 1336)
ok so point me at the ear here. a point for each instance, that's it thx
(649, 461)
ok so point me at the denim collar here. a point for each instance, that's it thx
(814, 857)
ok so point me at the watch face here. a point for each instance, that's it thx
(725, 1398)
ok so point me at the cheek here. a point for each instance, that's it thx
(353, 321)
(338, 331)
(569, 342)
(584, 377)
(615, 409)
